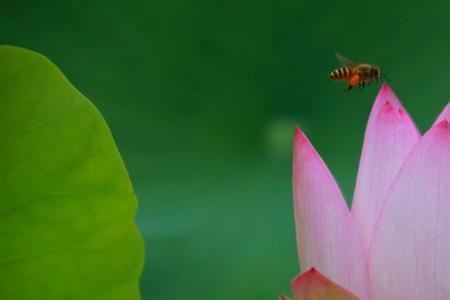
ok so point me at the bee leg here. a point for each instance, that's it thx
(352, 82)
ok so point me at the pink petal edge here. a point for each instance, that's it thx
(409, 255)
(390, 136)
(312, 285)
(326, 236)
(445, 115)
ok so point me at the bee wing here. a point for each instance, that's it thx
(345, 62)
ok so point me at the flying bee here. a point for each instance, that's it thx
(356, 74)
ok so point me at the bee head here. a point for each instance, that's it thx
(376, 72)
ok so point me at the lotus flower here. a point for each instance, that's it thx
(394, 243)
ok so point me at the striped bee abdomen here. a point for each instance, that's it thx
(340, 74)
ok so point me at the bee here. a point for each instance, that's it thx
(356, 74)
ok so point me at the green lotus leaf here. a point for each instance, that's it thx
(67, 207)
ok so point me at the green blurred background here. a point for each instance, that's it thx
(202, 97)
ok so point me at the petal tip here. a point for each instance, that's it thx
(387, 91)
(283, 297)
(441, 130)
(385, 87)
(445, 114)
(308, 275)
(298, 132)
(388, 106)
(386, 94)
(314, 285)
(443, 124)
(300, 137)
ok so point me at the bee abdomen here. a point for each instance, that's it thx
(340, 73)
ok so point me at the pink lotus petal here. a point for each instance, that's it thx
(410, 252)
(312, 285)
(283, 297)
(390, 136)
(445, 114)
(326, 236)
